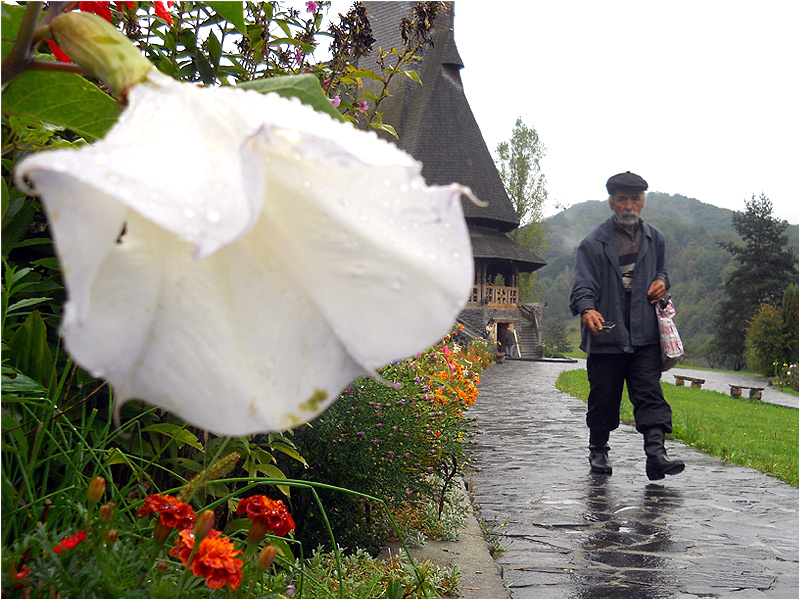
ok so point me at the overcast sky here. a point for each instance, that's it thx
(698, 97)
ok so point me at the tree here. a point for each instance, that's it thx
(765, 268)
(555, 340)
(766, 340)
(518, 162)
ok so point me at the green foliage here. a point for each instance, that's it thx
(764, 267)
(518, 162)
(771, 339)
(402, 443)
(765, 340)
(555, 341)
(749, 433)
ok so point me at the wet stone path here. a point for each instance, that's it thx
(714, 531)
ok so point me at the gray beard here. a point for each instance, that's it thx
(628, 218)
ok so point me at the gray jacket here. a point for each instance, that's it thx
(598, 286)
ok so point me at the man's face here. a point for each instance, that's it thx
(627, 205)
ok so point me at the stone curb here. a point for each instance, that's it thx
(480, 575)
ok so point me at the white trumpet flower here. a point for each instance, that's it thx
(238, 258)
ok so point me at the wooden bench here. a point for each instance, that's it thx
(755, 392)
(681, 379)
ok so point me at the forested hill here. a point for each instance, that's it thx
(695, 262)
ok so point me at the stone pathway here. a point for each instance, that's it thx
(716, 530)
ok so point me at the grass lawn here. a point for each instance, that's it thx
(749, 433)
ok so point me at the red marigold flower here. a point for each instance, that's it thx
(214, 559)
(265, 512)
(161, 11)
(58, 52)
(101, 9)
(70, 542)
(172, 512)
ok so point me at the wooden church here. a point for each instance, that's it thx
(435, 124)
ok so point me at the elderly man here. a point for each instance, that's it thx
(619, 276)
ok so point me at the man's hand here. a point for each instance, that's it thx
(593, 321)
(657, 291)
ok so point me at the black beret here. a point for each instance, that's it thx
(626, 180)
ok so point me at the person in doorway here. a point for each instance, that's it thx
(619, 275)
(510, 342)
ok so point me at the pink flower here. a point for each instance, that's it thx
(336, 101)
(362, 105)
(311, 7)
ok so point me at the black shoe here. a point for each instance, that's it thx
(658, 463)
(598, 460)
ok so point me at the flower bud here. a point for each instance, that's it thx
(111, 536)
(106, 511)
(97, 487)
(202, 526)
(162, 567)
(266, 557)
(258, 529)
(101, 50)
(161, 531)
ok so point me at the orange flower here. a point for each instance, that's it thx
(266, 514)
(172, 512)
(214, 559)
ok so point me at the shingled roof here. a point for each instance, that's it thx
(435, 124)
(434, 121)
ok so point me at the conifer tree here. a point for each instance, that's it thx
(765, 269)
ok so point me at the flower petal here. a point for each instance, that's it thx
(270, 255)
(397, 263)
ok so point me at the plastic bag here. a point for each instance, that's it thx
(671, 344)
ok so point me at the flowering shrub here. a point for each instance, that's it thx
(56, 421)
(401, 441)
(785, 376)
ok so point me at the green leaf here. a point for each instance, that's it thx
(412, 75)
(179, 433)
(288, 451)
(63, 99)
(304, 87)
(214, 49)
(10, 424)
(26, 303)
(20, 384)
(231, 11)
(273, 472)
(29, 351)
(384, 127)
(11, 21)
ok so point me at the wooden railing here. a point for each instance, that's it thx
(495, 296)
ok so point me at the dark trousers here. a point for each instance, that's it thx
(642, 372)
